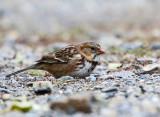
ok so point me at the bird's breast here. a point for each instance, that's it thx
(83, 69)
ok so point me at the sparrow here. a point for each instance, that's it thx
(73, 60)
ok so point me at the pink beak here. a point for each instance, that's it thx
(100, 52)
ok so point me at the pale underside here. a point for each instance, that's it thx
(82, 70)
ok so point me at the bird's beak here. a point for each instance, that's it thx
(100, 52)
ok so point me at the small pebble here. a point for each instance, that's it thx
(42, 87)
(144, 76)
(65, 78)
(110, 89)
(3, 76)
(68, 91)
(155, 46)
(63, 88)
(151, 60)
(91, 78)
(124, 74)
(29, 84)
(96, 74)
(130, 82)
(4, 90)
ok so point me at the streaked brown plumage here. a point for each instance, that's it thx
(74, 60)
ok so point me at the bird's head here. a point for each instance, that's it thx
(90, 50)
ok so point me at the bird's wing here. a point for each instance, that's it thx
(62, 56)
(49, 58)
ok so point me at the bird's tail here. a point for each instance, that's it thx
(22, 70)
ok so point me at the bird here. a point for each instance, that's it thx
(73, 60)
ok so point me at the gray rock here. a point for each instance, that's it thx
(129, 90)
(65, 78)
(13, 81)
(143, 90)
(96, 74)
(68, 91)
(97, 87)
(155, 46)
(124, 74)
(144, 76)
(63, 88)
(8, 87)
(91, 78)
(3, 76)
(4, 90)
(42, 87)
(151, 60)
(130, 82)
(153, 68)
(29, 84)
(157, 89)
(109, 89)
(149, 82)
(80, 89)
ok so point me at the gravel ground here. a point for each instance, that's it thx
(109, 91)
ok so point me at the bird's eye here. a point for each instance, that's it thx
(93, 49)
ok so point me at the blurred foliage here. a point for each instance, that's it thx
(35, 72)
